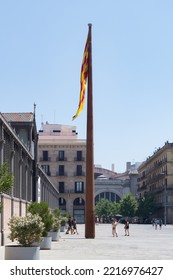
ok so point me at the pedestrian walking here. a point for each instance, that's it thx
(97, 220)
(160, 223)
(153, 222)
(126, 227)
(156, 223)
(69, 229)
(114, 228)
(74, 226)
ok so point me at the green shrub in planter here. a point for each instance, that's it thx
(43, 211)
(56, 220)
(64, 218)
(56, 225)
(63, 221)
(26, 230)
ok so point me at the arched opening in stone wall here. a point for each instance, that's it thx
(111, 196)
(79, 210)
(62, 204)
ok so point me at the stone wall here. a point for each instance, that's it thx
(11, 207)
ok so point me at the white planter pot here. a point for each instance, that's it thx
(45, 244)
(62, 228)
(54, 235)
(16, 252)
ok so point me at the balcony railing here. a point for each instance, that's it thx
(79, 159)
(142, 188)
(61, 173)
(79, 174)
(61, 159)
(45, 159)
(71, 192)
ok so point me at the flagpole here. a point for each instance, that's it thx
(89, 199)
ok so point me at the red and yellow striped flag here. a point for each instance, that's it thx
(83, 80)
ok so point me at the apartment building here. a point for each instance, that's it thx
(156, 177)
(63, 158)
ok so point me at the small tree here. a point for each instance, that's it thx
(26, 230)
(103, 208)
(64, 216)
(56, 219)
(43, 211)
(146, 206)
(115, 208)
(128, 205)
(6, 179)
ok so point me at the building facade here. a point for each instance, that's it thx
(63, 158)
(111, 189)
(113, 186)
(18, 147)
(156, 177)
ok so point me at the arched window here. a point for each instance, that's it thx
(79, 201)
(62, 201)
(109, 196)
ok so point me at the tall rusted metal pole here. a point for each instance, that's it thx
(89, 202)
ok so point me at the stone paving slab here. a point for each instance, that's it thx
(144, 243)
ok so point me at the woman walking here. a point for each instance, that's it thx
(126, 227)
(114, 228)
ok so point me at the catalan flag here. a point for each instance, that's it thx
(83, 80)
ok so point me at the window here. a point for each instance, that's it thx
(107, 195)
(79, 187)
(61, 155)
(23, 135)
(45, 155)
(113, 197)
(61, 170)
(62, 201)
(79, 201)
(46, 169)
(79, 155)
(79, 170)
(102, 195)
(61, 187)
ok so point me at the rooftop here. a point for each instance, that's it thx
(18, 117)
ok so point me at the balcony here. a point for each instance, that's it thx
(142, 188)
(79, 159)
(79, 174)
(141, 178)
(61, 190)
(72, 192)
(158, 190)
(61, 159)
(61, 173)
(45, 159)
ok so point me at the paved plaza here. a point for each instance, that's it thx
(144, 243)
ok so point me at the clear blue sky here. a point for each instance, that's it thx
(41, 49)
